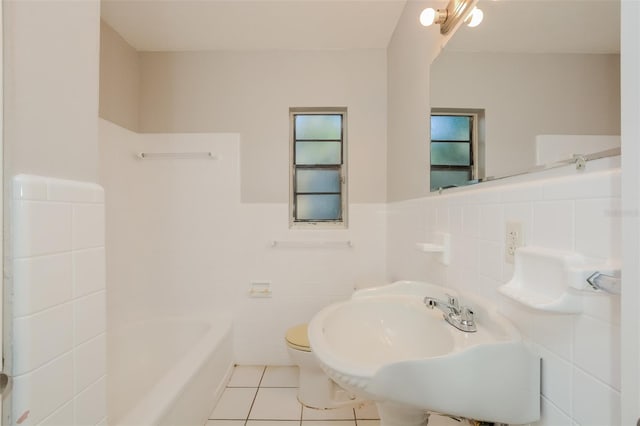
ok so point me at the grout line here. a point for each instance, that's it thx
(264, 369)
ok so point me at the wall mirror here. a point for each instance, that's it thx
(536, 83)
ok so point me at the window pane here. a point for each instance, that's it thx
(448, 178)
(450, 128)
(450, 154)
(318, 153)
(318, 127)
(317, 180)
(318, 207)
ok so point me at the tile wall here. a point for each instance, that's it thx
(198, 247)
(59, 318)
(565, 210)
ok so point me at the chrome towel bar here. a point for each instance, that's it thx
(177, 155)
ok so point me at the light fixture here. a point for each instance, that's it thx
(474, 19)
(430, 16)
(448, 18)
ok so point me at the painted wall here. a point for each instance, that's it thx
(119, 79)
(51, 88)
(562, 209)
(53, 267)
(409, 55)
(630, 327)
(251, 92)
(525, 95)
(59, 302)
(180, 241)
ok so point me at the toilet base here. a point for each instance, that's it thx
(317, 390)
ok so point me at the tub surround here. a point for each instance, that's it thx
(59, 318)
(198, 248)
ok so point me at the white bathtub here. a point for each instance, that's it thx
(169, 371)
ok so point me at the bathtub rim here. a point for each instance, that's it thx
(157, 402)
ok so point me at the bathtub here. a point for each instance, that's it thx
(168, 371)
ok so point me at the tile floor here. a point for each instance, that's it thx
(266, 396)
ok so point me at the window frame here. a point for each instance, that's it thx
(473, 143)
(342, 169)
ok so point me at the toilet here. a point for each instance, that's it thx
(315, 388)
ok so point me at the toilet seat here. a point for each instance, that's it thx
(297, 338)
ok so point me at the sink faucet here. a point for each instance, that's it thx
(461, 317)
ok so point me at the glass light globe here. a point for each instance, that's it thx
(475, 18)
(427, 17)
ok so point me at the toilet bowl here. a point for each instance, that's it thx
(315, 388)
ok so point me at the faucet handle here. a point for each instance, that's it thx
(467, 317)
(453, 301)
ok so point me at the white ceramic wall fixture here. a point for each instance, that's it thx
(384, 344)
(550, 280)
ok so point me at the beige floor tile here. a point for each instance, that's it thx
(273, 423)
(329, 423)
(280, 377)
(367, 411)
(335, 414)
(234, 404)
(247, 376)
(276, 404)
(225, 423)
(369, 423)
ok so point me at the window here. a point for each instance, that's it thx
(454, 147)
(318, 183)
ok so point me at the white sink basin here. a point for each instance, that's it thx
(384, 344)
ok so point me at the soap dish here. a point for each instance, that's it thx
(544, 279)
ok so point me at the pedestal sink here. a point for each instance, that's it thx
(385, 345)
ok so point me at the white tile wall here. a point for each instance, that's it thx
(568, 210)
(59, 302)
(198, 247)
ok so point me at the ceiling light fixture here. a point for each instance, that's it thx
(475, 18)
(448, 18)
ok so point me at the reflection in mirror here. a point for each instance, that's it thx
(548, 85)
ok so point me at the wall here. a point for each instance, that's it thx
(251, 92)
(410, 52)
(409, 55)
(59, 318)
(525, 95)
(561, 209)
(119, 79)
(51, 82)
(51, 51)
(630, 328)
(180, 241)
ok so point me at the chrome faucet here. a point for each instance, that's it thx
(461, 317)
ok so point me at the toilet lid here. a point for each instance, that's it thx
(298, 338)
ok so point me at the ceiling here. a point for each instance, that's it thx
(543, 26)
(178, 25)
(579, 26)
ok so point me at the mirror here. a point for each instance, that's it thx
(541, 81)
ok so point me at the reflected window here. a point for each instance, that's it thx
(453, 149)
(318, 166)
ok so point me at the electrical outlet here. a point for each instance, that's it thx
(514, 238)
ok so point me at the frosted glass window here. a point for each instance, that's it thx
(318, 169)
(450, 128)
(450, 154)
(318, 207)
(449, 178)
(309, 153)
(318, 127)
(452, 148)
(317, 180)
